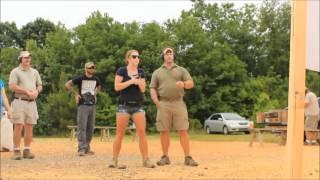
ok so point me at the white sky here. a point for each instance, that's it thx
(74, 12)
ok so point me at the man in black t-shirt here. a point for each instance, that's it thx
(88, 87)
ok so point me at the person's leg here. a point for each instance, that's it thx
(90, 128)
(28, 131)
(139, 120)
(165, 142)
(184, 141)
(82, 119)
(16, 141)
(164, 123)
(17, 136)
(181, 124)
(17, 119)
(311, 123)
(314, 134)
(122, 123)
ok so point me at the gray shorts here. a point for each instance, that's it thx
(24, 112)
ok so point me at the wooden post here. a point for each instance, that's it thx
(296, 90)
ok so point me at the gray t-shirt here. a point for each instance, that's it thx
(25, 78)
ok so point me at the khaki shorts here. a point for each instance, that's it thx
(24, 112)
(172, 114)
(311, 122)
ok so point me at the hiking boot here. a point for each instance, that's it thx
(27, 154)
(314, 142)
(307, 142)
(148, 164)
(188, 161)
(81, 153)
(16, 155)
(114, 164)
(5, 150)
(89, 152)
(163, 161)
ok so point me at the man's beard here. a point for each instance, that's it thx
(90, 73)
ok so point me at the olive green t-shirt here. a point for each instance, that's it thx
(164, 81)
(26, 78)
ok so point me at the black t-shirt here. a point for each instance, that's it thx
(86, 84)
(132, 92)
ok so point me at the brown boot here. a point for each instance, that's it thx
(16, 155)
(27, 154)
(188, 161)
(164, 161)
(114, 164)
(148, 164)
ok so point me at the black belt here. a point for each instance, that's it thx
(23, 99)
(130, 103)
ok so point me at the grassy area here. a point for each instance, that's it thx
(194, 135)
(202, 136)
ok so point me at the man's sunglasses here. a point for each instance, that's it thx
(92, 67)
(135, 56)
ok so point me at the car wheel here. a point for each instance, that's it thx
(247, 132)
(225, 130)
(208, 131)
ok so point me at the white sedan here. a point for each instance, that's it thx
(226, 123)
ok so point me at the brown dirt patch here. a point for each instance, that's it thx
(56, 158)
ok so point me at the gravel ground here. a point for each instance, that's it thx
(56, 158)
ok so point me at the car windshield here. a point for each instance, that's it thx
(232, 116)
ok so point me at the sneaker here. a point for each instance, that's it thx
(314, 142)
(16, 155)
(81, 153)
(27, 154)
(5, 150)
(188, 161)
(164, 161)
(114, 164)
(89, 152)
(148, 164)
(307, 142)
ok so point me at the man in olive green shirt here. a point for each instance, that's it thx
(167, 90)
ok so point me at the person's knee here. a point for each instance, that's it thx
(18, 127)
(164, 133)
(183, 132)
(120, 135)
(141, 132)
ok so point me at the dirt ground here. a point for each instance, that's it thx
(56, 158)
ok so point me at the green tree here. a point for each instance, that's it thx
(36, 30)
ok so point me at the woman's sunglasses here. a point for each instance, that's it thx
(135, 56)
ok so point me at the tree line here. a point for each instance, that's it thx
(238, 58)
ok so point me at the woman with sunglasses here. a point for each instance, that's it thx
(130, 82)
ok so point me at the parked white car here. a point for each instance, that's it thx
(226, 123)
